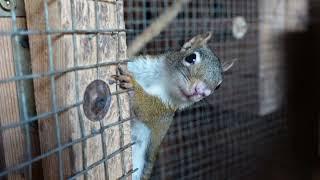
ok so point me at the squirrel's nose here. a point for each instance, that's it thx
(202, 89)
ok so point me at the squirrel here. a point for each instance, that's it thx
(163, 84)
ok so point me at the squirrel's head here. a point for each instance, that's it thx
(181, 78)
(195, 72)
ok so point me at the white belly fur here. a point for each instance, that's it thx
(140, 134)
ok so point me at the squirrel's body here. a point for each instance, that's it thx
(143, 103)
(162, 85)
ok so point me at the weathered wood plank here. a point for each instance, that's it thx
(89, 49)
(62, 56)
(12, 140)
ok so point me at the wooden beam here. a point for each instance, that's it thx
(69, 51)
(12, 142)
(13, 147)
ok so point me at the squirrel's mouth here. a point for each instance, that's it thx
(196, 92)
(193, 96)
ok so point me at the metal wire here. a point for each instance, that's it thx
(75, 60)
(56, 150)
(53, 91)
(62, 32)
(103, 160)
(61, 72)
(42, 116)
(21, 94)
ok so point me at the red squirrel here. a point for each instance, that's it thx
(163, 84)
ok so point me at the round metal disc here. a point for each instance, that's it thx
(96, 100)
(239, 27)
(7, 5)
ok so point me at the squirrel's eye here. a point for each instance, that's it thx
(217, 87)
(191, 59)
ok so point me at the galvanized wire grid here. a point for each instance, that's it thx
(226, 136)
(26, 120)
(220, 138)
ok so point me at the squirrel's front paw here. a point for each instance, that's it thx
(124, 78)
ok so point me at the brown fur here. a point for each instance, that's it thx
(143, 104)
(158, 121)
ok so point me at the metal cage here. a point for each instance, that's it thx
(52, 50)
(233, 132)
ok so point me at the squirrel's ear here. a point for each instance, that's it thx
(226, 65)
(197, 41)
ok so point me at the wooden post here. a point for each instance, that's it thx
(276, 18)
(84, 49)
(12, 140)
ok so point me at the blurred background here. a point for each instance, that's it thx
(242, 131)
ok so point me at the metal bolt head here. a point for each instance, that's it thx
(96, 100)
(8, 5)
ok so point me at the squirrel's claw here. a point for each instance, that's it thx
(124, 78)
(126, 85)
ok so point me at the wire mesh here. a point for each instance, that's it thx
(226, 136)
(24, 167)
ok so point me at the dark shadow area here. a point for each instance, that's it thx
(219, 144)
(302, 57)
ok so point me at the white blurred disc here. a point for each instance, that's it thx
(239, 27)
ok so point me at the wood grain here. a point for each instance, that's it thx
(12, 141)
(90, 49)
